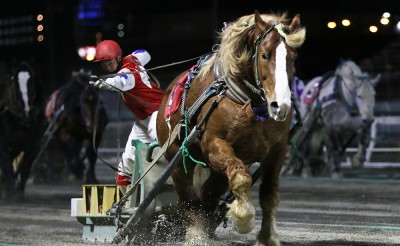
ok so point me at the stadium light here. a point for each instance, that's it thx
(373, 29)
(346, 22)
(331, 24)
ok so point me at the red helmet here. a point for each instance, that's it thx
(106, 50)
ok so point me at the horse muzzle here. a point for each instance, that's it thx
(278, 112)
(368, 122)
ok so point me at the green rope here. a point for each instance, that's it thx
(296, 152)
(185, 150)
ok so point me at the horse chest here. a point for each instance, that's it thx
(337, 119)
(254, 141)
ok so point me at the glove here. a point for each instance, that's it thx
(102, 84)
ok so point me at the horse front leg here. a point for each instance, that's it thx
(7, 180)
(241, 211)
(91, 171)
(269, 196)
(363, 142)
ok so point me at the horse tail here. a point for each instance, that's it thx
(200, 176)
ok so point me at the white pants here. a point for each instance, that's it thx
(143, 130)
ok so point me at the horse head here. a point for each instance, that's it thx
(259, 52)
(274, 55)
(365, 96)
(348, 69)
(82, 76)
(22, 91)
(360, 87)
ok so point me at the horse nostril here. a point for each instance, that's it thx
(274, 105)
(368, 122)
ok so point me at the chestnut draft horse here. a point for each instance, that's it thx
(251, 123)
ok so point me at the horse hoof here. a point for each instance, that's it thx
(242, 217)
(14, 197)
(239, 243)
(357, 163)
(306, 173)
(337, 175)
(272, 242)
(77, 171)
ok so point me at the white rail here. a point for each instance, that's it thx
(381, 120)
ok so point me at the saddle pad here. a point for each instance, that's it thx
(174, 98)
(311, 93)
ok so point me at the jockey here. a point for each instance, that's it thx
(141, 95)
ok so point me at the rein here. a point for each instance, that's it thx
(134, 97)
(139, 71)
(338, 93)
(106, 76)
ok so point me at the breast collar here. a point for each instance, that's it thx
(234, 93)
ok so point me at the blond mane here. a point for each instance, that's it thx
(232, 53)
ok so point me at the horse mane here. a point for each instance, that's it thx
(352, 69)
(234, 54)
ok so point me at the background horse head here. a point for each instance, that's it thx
(73, 109)
(360, 89)
(21, 125)
(337, 107)
(240, 100)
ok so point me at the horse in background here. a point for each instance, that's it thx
(336, 108)
(244, 113)
(71, 111)
(21, 126)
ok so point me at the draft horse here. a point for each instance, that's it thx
(250, 123)
(71, 110)
(21, 125)
(336, 108)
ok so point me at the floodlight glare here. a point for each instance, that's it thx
(331, 24)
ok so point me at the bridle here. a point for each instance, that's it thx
(260, 89)
(234, 92)
(353, 106)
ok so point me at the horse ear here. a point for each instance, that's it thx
(374, 81)
(258, 21)
(295, 23)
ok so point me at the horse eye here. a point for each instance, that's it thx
(266, 56)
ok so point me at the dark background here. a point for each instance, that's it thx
(178, 30)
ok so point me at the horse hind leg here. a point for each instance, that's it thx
(190, 206)
(213, 186)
